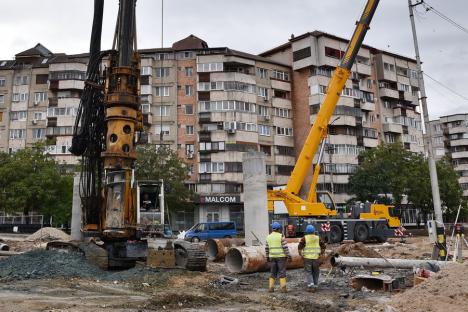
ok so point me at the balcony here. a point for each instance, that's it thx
(204, 117)
(390, 93)
(393, 128)
(460, 155)
(454, 130)
(147, 119)
(367, 106)
(53, 102)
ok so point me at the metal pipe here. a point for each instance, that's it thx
(382, 263)
(217, 248)
(4, 247)
(253, 259)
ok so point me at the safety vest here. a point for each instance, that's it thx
(275, 248)
(312, 247)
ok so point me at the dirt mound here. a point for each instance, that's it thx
(48, 234)
(356, 250)
(446, 291)
(181, 301)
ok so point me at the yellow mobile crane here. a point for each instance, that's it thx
(367, 222)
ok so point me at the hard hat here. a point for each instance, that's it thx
(276, 226)
(310, 228)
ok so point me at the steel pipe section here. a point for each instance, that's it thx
(4, 247)
(253, 259)
(217, 248)
(384, 263)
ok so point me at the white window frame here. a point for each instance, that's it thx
(188, 90)
(189, 129)
(162, 91)
(264, 130)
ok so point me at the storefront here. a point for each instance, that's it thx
(221, 207)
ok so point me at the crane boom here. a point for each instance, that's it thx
(336, 85)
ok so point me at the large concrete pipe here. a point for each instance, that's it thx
(4, 247)
(217, 248)
(384, 263)
(253, 259)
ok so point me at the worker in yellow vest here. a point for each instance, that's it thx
(310, 247)
(277, 253)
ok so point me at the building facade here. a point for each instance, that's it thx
(213, 104)
(450, 138)
(378, 103)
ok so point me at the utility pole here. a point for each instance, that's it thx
(428, 143)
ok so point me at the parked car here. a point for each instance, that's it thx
(206, 230)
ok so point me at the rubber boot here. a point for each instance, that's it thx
(271, 286)
(283, 285)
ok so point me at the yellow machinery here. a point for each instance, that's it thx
(369, 222)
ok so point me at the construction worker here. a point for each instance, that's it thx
(277, 253)
(310, 247)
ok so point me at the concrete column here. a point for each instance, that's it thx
(255, 199)
(76, 210)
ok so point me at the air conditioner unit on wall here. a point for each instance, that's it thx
(34, 121)
(231, 131)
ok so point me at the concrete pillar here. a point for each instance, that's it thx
(76, 210)
(255, 199)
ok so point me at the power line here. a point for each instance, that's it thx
(450, 89)
(443, 16)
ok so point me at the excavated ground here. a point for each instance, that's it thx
(55, 281)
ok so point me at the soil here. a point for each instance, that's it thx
(48, 234)
(446, 290)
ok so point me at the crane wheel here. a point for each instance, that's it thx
(361, 232)
(336, 234)
(381, 229)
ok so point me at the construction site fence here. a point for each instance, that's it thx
(22, 219)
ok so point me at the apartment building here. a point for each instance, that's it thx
(450, 138)
(377, 104)
(23, 98)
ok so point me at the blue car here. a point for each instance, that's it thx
(206, 230)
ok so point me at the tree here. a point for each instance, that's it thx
(391, 169)
(32, 182)
(155, 163)
(380, 175)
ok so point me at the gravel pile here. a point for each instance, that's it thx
(48, 234)
(39, 264)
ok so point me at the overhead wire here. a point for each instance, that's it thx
(429, 7)
(446, 87)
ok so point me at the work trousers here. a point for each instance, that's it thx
(312, 268)
(278, 267)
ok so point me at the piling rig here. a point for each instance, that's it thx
(105, 135)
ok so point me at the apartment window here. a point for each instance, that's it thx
(2, 81)
(188, 90)
(402, 71)
(212, 146)
(321, 71)
(335, 53)
(2, 99)
(38, 133)
(301, 54)
(262, 72)
(350, 92)
(268, 170)
(243, 126)
(189, 150)
(263, 110)
(188, 71)
(390, 138)
(39, 115)
(146, 70)
(68, 75)
(207, 106)
(280, 75)
(263, 92)
(20, 115)
(165, 129)
(21, 80)
(209, 67)
(162, 91)
(344, 149)
(42, 79)
(211, 167)
(264, 130)
(403, 87)
(189, 129)
(389, 67)
(40, 97)
(284, 150)
(17, 133)
(61, 111)
(413, 74)
(163, 110)
(162, 72)
(284, 131)
(188, 109)
(266, 149)
(1, 116)
(362, 60)
(282, 112)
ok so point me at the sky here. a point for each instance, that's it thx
(254, 26)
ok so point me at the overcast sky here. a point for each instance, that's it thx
(255, 26)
